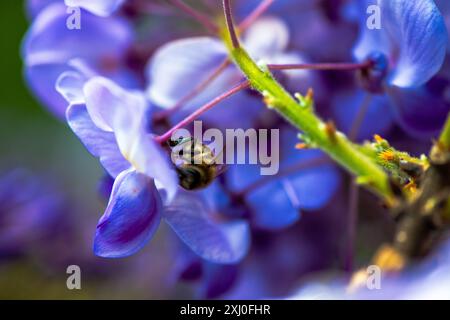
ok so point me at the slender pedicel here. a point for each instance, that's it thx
(311, 163)
(194, 93)
(194, 116)
(200, 17)
(204, 84)
(258, 12)
(353, 202)
(230, 24)
(322, 66)
(351, 231)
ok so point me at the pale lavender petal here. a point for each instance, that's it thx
(266, 37)
(180, 66)
(49, 45)
(99, 143)
(125, 113)
(70, 85)
(224, 243)
(149, 158)
(112, 107)
(101, 8)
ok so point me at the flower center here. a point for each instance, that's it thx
(372, 77)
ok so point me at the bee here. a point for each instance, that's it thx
(196, 163)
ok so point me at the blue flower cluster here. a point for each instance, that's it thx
(135, 68)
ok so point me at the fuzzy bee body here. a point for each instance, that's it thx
(195, 177)
(196, 164)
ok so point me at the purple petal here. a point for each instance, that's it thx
(131, 218)
(276, 203)
(49, 45)
(414, 37)
(444, 6)
(70, 85)
(274, 206)
(423, 34)
(41, 79)
(180, 66)
(113, 108)
(370, 40)
(419, 112)
(124, 112)
(98, 37)
(217, 280)
(314, 182)
(149, 158)
(36, 6)
(266, 37)
(100, 7)
(187, 266)
(223, 243)
(378, 119)
(314, 188)
(99, 143)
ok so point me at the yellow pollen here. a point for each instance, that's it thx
(301, 146)
(387, 155)
(378, 138)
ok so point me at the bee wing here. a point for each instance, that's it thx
(220, 166)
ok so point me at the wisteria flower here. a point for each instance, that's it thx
(177, 68)
(112, 124)
(410, 43)
(205, 232)
(407, 50)
(135, 72)
(50, 48)
(305, 182)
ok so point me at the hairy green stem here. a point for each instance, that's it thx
(334, 143)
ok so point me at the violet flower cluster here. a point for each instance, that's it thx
(122, 79)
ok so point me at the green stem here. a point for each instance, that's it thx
(335, 144)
